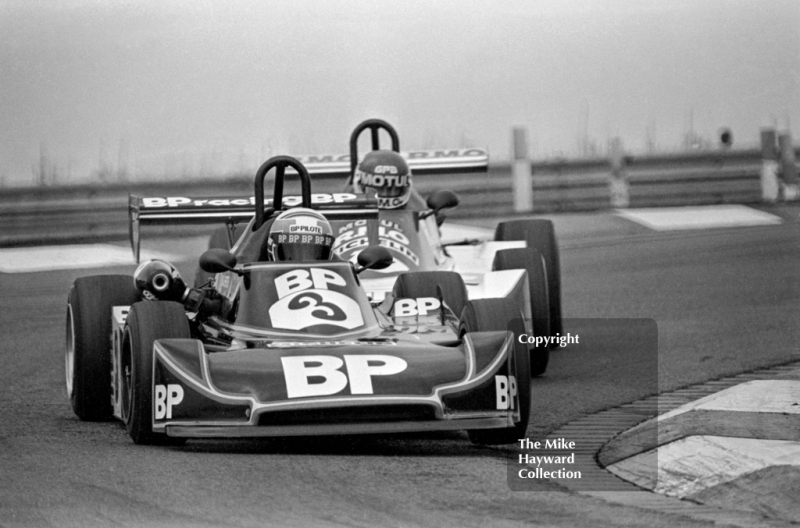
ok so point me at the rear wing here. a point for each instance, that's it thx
(182, 210)
(335, 206)
(421, 162)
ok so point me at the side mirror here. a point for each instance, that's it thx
(440, 200)
(374, 257)
(217, 261)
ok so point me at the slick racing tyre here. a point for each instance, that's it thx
(146, 322)
(483, 315)
(539, 234)
(88, 342)
(417, 284)
(532, 261)
(220, 239)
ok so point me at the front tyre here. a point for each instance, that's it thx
(88, 341)
(484, 315)
(147, 322)
(533, 262)
(539, 234)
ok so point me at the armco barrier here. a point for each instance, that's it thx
(82, 213)
(701, 178)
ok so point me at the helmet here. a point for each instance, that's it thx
(158, 280)
(300, 234)
(386, 172)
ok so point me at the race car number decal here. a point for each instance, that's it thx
(390, 235)
(166, 397)
(305, 300)
(419, 306)
(299, 371)
(506, 389)
(319, 308)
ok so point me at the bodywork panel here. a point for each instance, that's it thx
(333, 387)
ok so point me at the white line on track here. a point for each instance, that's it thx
(765, 396)
(700, 217)
(51, 258)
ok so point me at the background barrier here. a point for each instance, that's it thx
(83, 213)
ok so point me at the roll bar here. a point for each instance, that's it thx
(279, 163)
(374, 125)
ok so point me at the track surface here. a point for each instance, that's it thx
(725, 302)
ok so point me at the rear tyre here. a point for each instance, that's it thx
(483, 315)
(147, 322)
(88, 341)
(532, 261)
(539, 234)
(423, 284)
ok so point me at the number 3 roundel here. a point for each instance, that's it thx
(308, 308)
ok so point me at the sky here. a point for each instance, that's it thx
(98, 90)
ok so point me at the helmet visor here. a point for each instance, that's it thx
(393, 191)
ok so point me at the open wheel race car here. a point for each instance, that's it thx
(411, 233)
(293, 348)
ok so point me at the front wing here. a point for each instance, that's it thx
(325, 388)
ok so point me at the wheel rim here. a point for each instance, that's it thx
(69, 356)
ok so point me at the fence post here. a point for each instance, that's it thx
(791, 189)
(521, 174)
(770, 190)
(618, 186)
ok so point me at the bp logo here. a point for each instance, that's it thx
(305, 300)
(305, 225)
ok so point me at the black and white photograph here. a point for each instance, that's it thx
(431, 263)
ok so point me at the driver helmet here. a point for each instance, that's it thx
(300, 234)
(386, 172)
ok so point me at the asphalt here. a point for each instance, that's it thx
(66, 472)
(725, 451)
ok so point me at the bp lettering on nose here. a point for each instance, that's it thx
(322, 375)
